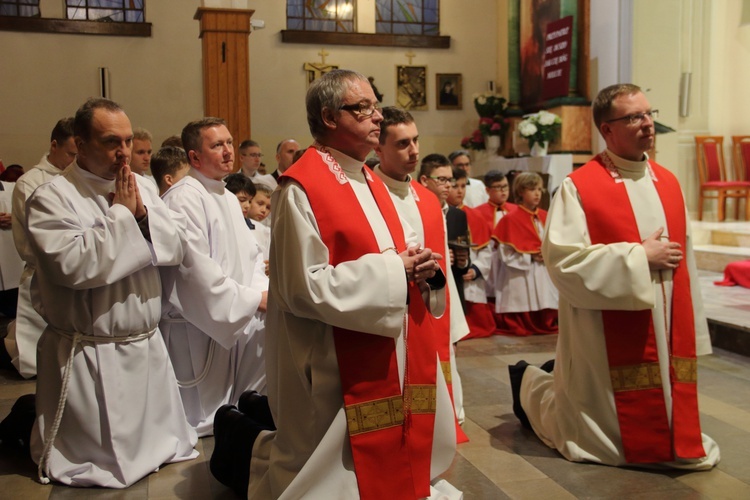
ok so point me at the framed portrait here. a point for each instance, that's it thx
(448, 91)
(411, 87)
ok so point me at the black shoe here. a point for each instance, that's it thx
(516, 376)
(234, 436)
(255, 406)
(15, 429)
(548, 366)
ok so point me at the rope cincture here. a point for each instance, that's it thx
(76, 338)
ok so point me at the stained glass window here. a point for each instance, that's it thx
(321, 15)
(127, 11)
(20, 8)
(408, 17)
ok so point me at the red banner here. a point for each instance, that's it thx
(557, 51)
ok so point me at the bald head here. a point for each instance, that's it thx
(285, 154)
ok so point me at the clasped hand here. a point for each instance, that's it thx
(127, 193)
(420, 263)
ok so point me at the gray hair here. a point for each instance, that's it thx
(328, 92)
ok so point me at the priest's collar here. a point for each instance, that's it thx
(347, 163)
(99, 184)
(211, 185)
(631, 166)
(395, 186)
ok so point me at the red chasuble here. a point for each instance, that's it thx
(630, 339)
(518, 230)
(390, 432)
(433, 225)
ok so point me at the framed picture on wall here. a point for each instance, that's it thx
(411, 87)
(448, 91)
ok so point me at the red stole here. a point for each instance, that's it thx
(518, 230)
(433, 227)
(390, 432)
(630, 339)
(479, 232)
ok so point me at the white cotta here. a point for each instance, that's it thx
(210, 320)
(573, 409)
(97, 276)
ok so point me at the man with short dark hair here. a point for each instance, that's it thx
(108, 409)
(398, 151)
(212, 318)
(25, 330)
(340, 283)
(623, 390)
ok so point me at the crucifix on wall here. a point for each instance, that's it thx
(317, 69)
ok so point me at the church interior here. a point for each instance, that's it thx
(243, 60)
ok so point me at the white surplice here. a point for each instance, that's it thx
(310, 455)
(573, 409)
(25, 330)
(476, 193)
(524, 284)
(11, 264)
(97, 276)
(210, 319)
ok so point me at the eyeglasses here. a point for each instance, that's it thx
(254, 155)
(363, 108)
(499, 188)
(637, 118)
(443, 180)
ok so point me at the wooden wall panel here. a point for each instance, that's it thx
(226, 74)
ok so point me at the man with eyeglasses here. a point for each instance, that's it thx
(623, 386)
(398, 152)
(250, 162)
(344, 416)
(476, 194)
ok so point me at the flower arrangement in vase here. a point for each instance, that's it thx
(492, 123)
(540, 129)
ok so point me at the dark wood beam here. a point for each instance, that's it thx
(75, 27)
(368, 39)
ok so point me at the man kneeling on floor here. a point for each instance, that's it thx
(355, 388)
(624, 386)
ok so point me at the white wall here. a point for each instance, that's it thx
(46, 77)
(278, 82)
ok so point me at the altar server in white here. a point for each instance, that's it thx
(25, 330)
(213, 319)
(108, 409)
(623, 390)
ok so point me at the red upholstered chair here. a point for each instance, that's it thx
(714, 183)
(741, 149)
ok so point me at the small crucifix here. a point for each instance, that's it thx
(411, 55)
(323, 55)
(317, 69)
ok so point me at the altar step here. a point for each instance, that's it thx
(716, 244)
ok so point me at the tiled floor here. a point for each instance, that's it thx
(502, 460)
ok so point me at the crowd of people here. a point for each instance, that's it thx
(308, 318)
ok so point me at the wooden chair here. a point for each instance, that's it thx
(741, 157)
(709, 151)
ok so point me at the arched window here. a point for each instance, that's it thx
(321, 15)
(127, 11)
(20, 8)
(407, 17)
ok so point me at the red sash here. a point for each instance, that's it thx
(390, 432)
(433, 225)
(630, 339)
(518, 230)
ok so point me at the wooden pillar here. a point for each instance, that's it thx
(226, 70)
